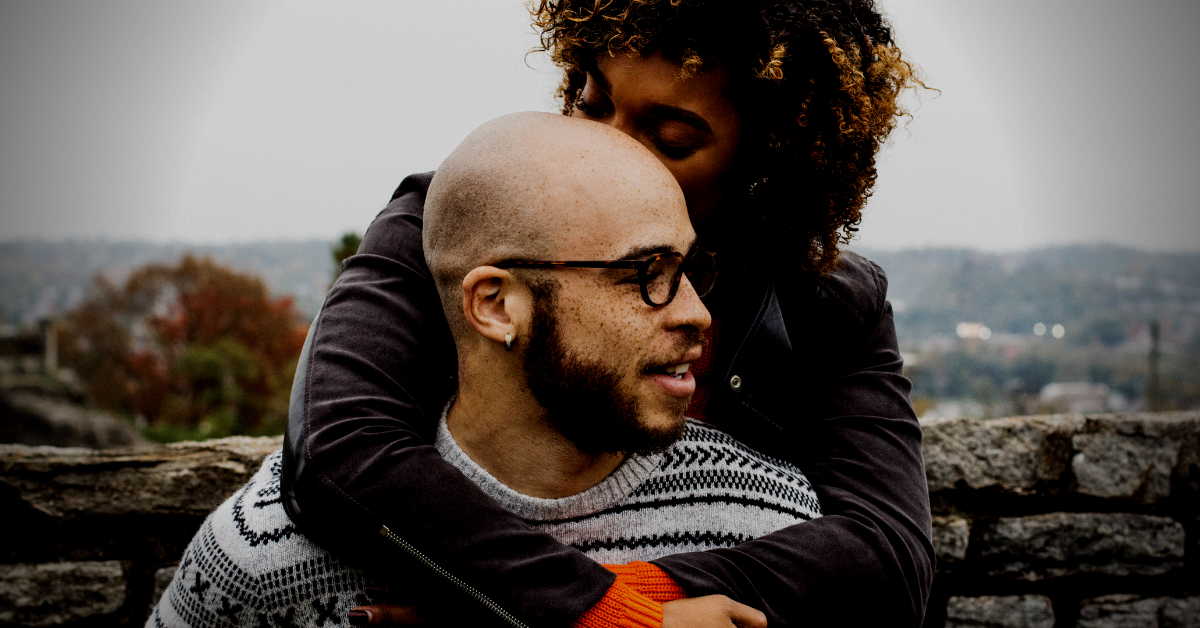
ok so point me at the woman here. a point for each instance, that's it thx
(769, 113)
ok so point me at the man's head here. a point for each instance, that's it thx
(588, 351)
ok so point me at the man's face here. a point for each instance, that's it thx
(602, 362)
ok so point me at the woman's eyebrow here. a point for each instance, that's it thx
(668, 112)
(681, 115)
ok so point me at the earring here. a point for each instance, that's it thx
(508, 342)
(754, 185)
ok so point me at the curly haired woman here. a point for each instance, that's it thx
(769, 113)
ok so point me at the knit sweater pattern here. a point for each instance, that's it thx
(248, 566)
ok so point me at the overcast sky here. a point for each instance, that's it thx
(1071, 121)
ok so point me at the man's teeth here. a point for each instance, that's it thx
(677, 370)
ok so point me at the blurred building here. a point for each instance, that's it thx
(1079, 397)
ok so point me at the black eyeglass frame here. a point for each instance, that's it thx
(641, 265)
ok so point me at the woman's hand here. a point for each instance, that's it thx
(711, 611)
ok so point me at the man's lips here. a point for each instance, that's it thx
(675, 377)
(677, 365)
(680, 385)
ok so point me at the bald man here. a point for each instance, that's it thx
(572, 291)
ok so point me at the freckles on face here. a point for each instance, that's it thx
(603, 320)
(689, 124)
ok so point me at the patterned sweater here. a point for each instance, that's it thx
(249, 566)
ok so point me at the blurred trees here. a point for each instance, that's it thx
(194, 350)
(343, 249)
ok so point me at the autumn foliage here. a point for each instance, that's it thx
(193, 350)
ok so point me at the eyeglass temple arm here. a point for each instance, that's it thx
(574, 264)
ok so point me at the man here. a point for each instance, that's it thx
(562, 253)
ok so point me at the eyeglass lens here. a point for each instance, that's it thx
(701, 270)
(663, 275)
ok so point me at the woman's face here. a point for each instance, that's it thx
(689, 123)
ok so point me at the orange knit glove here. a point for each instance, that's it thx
(634, 600)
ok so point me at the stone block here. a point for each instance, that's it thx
(1131, 611)
(162, 580)
(1062, 544)
(950, 537)
(1180, 613)
(1133, 455)
(1013, 454)
(55, 593)
(183, 478)
(1010, 611)
(1113, 465)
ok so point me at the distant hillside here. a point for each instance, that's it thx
(1089, 289)
(1096, 292)
(38, 279)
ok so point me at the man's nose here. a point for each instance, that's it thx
(686, 309)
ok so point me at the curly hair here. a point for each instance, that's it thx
(816, 82)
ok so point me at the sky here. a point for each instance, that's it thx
(1054, 123)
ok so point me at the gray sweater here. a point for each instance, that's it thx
(249, 566)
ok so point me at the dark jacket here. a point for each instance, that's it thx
(809, 370)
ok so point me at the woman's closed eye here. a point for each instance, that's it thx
(590, 110)
(675, 139)
(592, 102)
(656, 125)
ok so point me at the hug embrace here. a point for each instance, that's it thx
(610, 368)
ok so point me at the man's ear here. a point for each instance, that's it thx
(495, 303)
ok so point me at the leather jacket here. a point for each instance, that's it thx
(808, 370)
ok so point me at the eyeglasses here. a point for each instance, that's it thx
(658, 274)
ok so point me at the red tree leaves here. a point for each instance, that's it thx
(196, 349)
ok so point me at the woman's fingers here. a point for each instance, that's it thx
(385, 614)
(747, 617)
(711, 611)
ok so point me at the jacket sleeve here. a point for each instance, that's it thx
(380, 367)
(868, 560)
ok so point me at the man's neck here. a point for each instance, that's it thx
(509, 437)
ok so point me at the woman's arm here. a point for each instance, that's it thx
(380, 367)
(868, 560)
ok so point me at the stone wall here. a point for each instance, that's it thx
(1066, 520)
(90, 536)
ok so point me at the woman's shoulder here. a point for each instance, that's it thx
(856, 288)
(412, 190)
(858, 283)
(395, 233)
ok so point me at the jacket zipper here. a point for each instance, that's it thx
(471, 591)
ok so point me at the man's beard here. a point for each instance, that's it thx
(583, 399)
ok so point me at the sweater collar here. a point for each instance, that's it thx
(609, 492)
